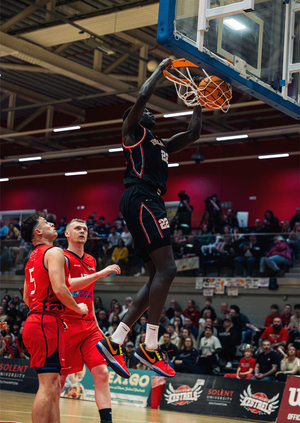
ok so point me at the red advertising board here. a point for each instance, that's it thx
(290, 405)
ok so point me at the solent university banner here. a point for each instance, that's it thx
(217, 396)
(133, 391)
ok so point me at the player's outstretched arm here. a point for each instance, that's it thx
(25, 295)
(184, 139)
(84, 281)
(54, 262)
(131, 123)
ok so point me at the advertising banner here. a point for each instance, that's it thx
(16, 375)
(133, 391)
(290, 404)
(217, 396)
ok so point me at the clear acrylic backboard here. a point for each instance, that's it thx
(252, 44)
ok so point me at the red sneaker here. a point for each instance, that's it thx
(154, 360)
(114, 356)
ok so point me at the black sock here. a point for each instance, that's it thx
(105, 415)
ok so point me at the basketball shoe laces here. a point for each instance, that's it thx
(159, 355)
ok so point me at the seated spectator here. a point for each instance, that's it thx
(295, 218)
(164, 319)
(127, 238)
(111, 306)
(249, 254)
(204, 236)
(170, 311)
(113, 238)
(5, 258)
(240, 321)
(289, 365)
(277, 335)
(271, 223)
(285, 229)
(218, 325)
(187, 358)
(267, 363)
(13, 232)
(177, 313)
(98, 305)
(125, 307)
(140, 324)
(187, 324)
(228, 339)
(90, 222)
(231, 219)
(120, 255)
(19, 253)
(191, 312)
(246, 366)
(286, 316)
(140, 339)
(178, 243)
(61, 227)
(279, 254)
(295, 338)
(274, 313)
(210, 346)
(24, 310)
(295, 320)
(207, 322)
(173, 335)
(102, 320)
(208, 303)
(3, 315)
(113, 327)
(4, 352)
(178, 325)
(186, 333)
(117, 312)
(130, 360)
(3, 230)
(2, 345)
(168, 347)
(294, 241)
(212, 246)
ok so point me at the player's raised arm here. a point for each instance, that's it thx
(182, 140)
(54, 262)
(84, 281)
(131, 123)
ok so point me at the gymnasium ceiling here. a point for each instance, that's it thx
(67, 62)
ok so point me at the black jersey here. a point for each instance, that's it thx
(147, 162)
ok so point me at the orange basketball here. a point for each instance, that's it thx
(214, 93)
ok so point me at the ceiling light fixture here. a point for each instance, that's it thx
(231, 137)
(115, 150)
(198, 156)
(76, 173)
(173, 164)
(4, 179)
(234, 24)
(274, 156)
(29, 159)
(67, 128)
(169, 115)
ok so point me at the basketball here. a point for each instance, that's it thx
(214, 93)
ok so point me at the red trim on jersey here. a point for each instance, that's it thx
(141, 222)
(140, 175)
(128, 147)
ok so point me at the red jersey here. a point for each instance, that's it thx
(270, 318)
(274, 337)
(286, 320)
(40, 292)
(79, 267)
(246, 365)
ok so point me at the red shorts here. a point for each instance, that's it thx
(44, 340)
(80, 345)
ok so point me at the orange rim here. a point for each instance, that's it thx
(174, 78)
(181, 63)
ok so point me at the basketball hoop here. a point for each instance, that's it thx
(212, 92)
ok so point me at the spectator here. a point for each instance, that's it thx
(5, 351)
(295, 320)
(177, 313)
(13, 232)
(90, 222)
(289, 365)
(184, 213)
(240, 321)
(117, 312)
(191, 312)
(295, 218)
(246, 366)
(3, 315)
(61, 227)
(187, 358)
(173, 335)
(204, 237)
(294, 241)
(187, 324)
(277, 335)
(228, 339)
(271, 223)
(208, 303)
(113, 238)
(178, 325)
(279, 254)
(3, 230)
(266, 363)
(130, 360)
(186, 333)
(207, 322)
(212, 246)
(120, 256)
(295, 338)
(213, 210)
(170, 311)
(102, 320)
(274, 313)
(231, 219)
(286, 317)
(209, 348)
(127, 238)
(98, 305)
(285, 229)
(125, 307)
(164, 319)
(5, 258)
(168, 347)
(249, 254)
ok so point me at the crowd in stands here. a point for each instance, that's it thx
(192, 340)
(267, 249)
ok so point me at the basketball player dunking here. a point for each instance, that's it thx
(145, 214)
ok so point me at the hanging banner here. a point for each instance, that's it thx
(16, 375)
(134, 391)
(290, 404)
(217, 396)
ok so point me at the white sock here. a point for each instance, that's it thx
(120, 333)
(151, 336)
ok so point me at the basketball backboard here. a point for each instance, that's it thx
(252, 44)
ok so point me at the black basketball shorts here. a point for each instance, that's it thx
(145, 215)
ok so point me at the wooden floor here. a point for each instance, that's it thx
(16, 407)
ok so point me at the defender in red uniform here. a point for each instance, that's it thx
(83, 334)
(46, 293)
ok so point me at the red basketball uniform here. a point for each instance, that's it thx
(43, 329)
(82, 334)
(245, 365)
